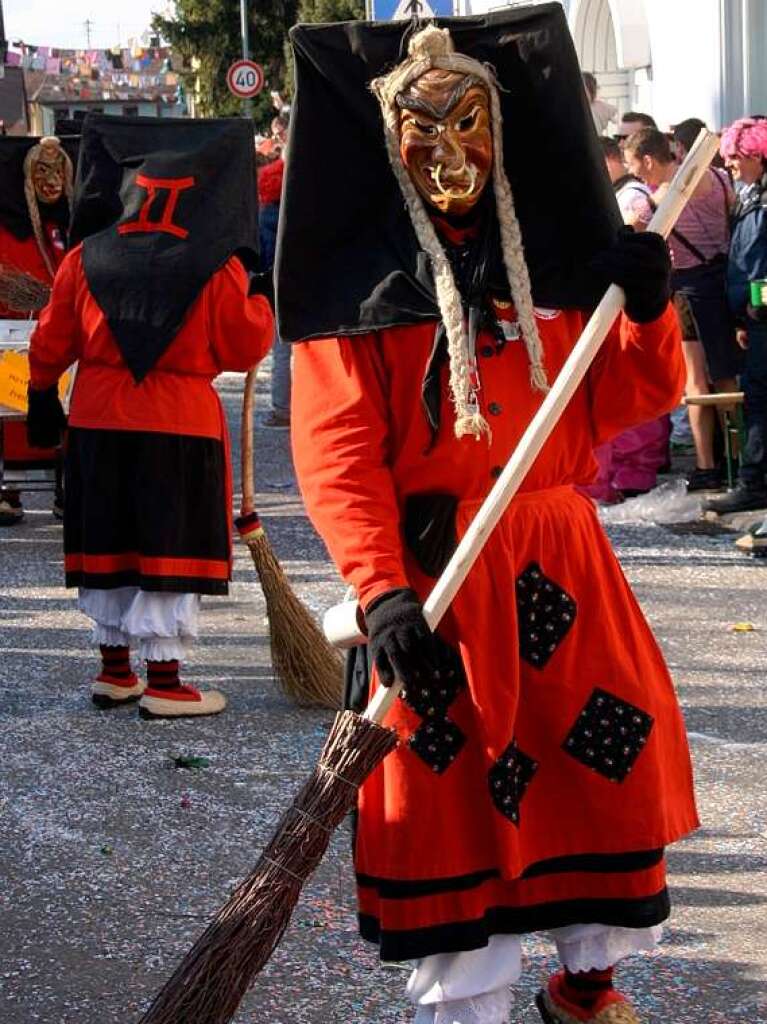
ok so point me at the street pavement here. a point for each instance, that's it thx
(112, 860)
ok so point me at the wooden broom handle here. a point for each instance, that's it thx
(246, 444)
(572, 373)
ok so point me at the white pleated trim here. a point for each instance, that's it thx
(490, 1008)
(595, 947)
(164, 624)
(447, 977)
(473, 987)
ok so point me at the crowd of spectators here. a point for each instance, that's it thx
(719, 255)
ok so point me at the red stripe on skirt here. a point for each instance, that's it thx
(146, 566)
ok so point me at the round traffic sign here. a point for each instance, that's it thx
(245, 79)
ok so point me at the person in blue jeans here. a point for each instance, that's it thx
(744, 147)
(269, 190)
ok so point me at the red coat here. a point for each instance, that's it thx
(509, 811)
(164, 541)
(24, 254)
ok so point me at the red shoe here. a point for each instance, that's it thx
(110, 692)
(609, 1007)
(180, 701)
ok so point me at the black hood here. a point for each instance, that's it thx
(14, 213)
(348, 259)
(160, 205)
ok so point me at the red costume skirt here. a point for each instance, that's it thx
(543, 791)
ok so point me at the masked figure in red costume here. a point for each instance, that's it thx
(36, 180)
(543, 766)
(154, 302)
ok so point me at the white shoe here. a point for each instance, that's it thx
(181, 701)
(109, 692)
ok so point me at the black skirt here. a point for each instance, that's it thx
(146, 510)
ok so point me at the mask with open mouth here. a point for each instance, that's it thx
(48, 171)
(446, 142)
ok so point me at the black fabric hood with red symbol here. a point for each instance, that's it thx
(14, 212)
(160, 205)
(348, 259)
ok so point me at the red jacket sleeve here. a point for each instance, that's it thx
(241, 328)
(637, 376)
(340, 442)
(56, 341)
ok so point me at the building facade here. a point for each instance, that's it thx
(671, 58)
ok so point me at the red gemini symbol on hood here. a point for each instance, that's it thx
(174, 186)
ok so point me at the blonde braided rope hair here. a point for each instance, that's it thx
(48, 142)
(431, 48)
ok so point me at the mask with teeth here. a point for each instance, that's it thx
(446, 142)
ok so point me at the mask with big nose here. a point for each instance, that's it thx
(445, 139)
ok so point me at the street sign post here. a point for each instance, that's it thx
(245, 79)
(388, 10)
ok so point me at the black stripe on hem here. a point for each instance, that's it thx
(24, 465)
(393, 889)
(596, 863)
(461, 936)
(161, 584)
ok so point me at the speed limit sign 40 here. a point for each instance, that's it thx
(245, 79)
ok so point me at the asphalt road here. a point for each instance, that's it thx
(112, 860)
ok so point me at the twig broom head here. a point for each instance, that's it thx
(308, 668)
(22, 292)
(208, 985)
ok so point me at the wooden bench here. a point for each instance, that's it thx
(730, 404)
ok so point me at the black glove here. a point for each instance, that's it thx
(641, 265)
(402, 645)
(262, 284)
(45, 418)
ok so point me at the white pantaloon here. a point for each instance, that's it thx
(473, 987)
(163, 624)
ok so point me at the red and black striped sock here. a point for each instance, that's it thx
(162, 675)
(585, 987)
(115, 661)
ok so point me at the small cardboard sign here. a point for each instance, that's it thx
(14, 379)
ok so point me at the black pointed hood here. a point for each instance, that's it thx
(160, 205)
(348, 260)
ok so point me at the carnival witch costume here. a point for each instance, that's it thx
(545, 766)
(153, 303)
(35, 196)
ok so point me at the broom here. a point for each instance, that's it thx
(308, 668)
(21, 292)
(210, 982)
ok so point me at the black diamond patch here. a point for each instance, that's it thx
(432, 700)
(546, 614)
(609, 735)
(437, 742)
(509, 778)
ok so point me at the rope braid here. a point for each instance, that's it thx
(433, 48)
(513, 252)
(33, 206)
